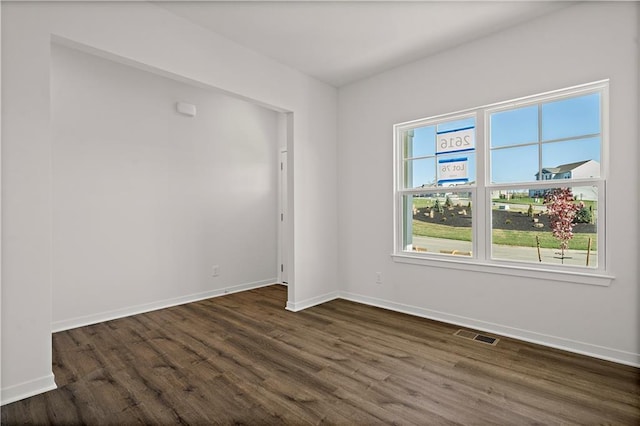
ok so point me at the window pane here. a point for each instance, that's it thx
(514, 164)
(521, 220)
(516, 126)
(571, 159)
(438, 223)
(420, 142)
(571, 117)
(464, 123)
(420, 173)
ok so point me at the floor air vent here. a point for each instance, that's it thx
(477, 337)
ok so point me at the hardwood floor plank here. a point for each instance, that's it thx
(244, 359)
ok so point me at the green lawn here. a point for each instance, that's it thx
(421, 202)
(547, 240)
(523, 200)
(441, 231)
(503, 236)
(527, 201)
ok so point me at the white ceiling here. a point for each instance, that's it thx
(341, 42)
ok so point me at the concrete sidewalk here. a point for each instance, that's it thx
(517, 253)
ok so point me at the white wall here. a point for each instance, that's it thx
(143, 35)
(146, 200)
(579, 44)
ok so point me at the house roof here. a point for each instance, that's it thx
(563, 168)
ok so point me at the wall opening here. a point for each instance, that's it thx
(152, 207)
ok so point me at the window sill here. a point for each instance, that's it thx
(513, 270)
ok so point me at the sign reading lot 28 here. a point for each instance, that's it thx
(456, 140)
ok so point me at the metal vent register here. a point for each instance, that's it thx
(477, 337)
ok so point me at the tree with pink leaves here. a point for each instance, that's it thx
(562, 212)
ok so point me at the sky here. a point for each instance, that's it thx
(513, 138)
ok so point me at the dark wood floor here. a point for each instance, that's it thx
(243, 359)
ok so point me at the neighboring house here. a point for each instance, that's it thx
(577, 170)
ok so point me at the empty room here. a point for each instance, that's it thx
(306, 212)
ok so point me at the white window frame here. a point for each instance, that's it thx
(481, 260)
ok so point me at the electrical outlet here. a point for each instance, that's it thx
(378, 277)
(215, 270)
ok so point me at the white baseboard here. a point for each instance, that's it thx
(148, 307)
(308, 303)
(27, 389)
(595, 351)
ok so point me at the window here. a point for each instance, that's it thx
(438, 157)
(519, 184)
